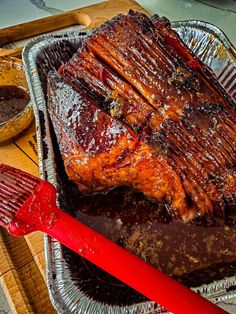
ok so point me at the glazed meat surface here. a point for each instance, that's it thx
(100, 152)
(181, 120)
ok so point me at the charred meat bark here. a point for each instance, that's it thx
(143, 74)
(99, 152)
(124, 102)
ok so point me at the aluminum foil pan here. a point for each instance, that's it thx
(48, 52)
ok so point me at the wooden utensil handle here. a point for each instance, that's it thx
(43, 25)
(90, 17)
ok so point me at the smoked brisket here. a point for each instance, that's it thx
(177, 126)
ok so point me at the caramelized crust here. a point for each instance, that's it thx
(119, 96)
(144, 75)
(99, 152)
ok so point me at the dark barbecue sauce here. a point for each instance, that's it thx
(194, 253)
(12, 100)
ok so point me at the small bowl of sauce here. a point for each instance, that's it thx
(16, 112)
(13, 100)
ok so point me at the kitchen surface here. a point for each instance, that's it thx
(220, 13)
(217, 12)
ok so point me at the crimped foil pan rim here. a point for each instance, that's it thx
(45, 166)
(221, 36)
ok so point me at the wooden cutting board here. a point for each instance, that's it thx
(22, 265)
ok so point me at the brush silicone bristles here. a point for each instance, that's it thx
(16, 187)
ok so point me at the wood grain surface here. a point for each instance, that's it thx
(22, 265)
(89, 17)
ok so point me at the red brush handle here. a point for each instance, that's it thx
(128, 268)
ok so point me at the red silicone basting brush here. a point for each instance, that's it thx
(28, 204)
